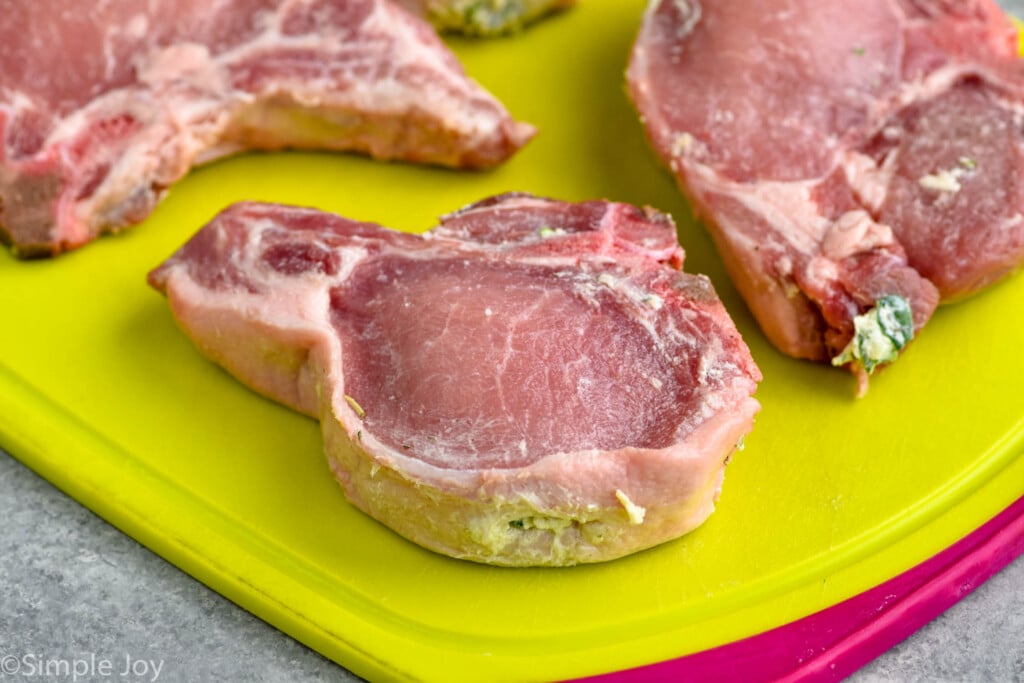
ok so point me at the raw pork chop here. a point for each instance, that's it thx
(856, 161)
(483, 17)
(533, 382)
(104, 105)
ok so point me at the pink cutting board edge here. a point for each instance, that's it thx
(833, 643)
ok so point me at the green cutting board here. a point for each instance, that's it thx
(101, 394)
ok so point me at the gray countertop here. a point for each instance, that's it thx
(73, 588)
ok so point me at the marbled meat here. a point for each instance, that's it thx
(843, 154)
(533, 382)
(104, 105)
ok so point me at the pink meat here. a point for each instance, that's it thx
(841, 152)
(104, 105)
(527, 359)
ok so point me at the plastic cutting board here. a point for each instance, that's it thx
(831, 498)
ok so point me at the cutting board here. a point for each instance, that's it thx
(831, 497)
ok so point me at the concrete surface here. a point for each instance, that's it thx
(72, 586)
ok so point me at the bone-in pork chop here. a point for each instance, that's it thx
(856, 162)
(533, 382)
(104, 105)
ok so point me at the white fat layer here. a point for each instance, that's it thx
(16, 101)
(691, 13)
(134, 29)
(868, 180)
(785, 204)
(854, 232)
(938, 81)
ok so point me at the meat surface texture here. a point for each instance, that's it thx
(105, 105)
(484, 17)
(532, 382)
(841, 152)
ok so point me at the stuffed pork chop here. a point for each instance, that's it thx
(533, 382)
(856, 163)
(484, 17)
(94, 132)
